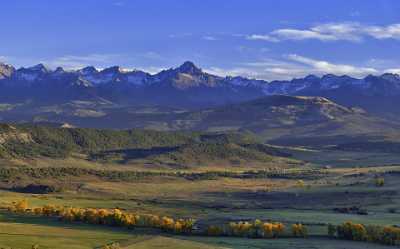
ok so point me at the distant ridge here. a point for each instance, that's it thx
(29, 92)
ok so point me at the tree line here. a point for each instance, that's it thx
(257, 229)
(62, 172)
(388, 235)
(114, 217)
(120, 218)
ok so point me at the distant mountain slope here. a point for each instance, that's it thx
(115, 96)
(281, 117)
(275, 119)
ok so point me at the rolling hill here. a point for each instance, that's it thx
(286, 118)
(173, 149)
(277, 119)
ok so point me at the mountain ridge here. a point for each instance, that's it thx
(186, 86)
(115, 74)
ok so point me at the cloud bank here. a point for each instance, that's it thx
(347, 31)
(294, 66)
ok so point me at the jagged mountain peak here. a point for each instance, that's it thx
(189, 67)
(2, 64)
(40, 68)
(6, 70)
(113, 69)
(391, 77)
(88, 70)
(311, 77)
(59, 70)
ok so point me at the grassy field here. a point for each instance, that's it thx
(23, 232)
(210, 201)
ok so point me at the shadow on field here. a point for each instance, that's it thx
(301, 199)
(305, 199)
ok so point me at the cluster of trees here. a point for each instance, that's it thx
(206, 151)
(299, 230)
(115, 217)
(378, 234)
(256, 229)
(62, 172)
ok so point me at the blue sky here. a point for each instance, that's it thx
(266, 39)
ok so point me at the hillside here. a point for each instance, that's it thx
(278, 119)
(293, 118)
(175, 149)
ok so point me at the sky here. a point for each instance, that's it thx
(264, 39)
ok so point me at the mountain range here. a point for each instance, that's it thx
(185, 86)
(186, 97)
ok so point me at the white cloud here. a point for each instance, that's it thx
(72, 62)
(183, 35)
(379, 32)
(347, 31)
(152, 70)
(340, 31)
(79, 61)
(210, 38)
(262, 38)
(293, 34)
(268, 62)
(236, 71)
(327, 67)
(293, 66)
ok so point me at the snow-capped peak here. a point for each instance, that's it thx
(88, 70)
(39, 68)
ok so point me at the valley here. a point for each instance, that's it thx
(212, 177)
